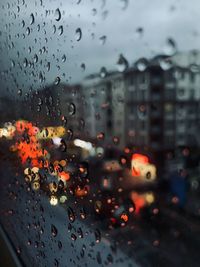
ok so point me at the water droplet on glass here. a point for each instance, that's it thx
(98, 257)
(73, 237)
(141, 111)
(103, 39)
(32, 19)
(60, 30)
(28, 30)
(100, 136)
(142, 64)
(116, 140)
(54, 230)
(35, 58)
(80, 232)
(69, 134)
(103, 72)
(166, 63)
(48, 66)
(71, 214)
(57, 81)
(19, 92)
(139, 32)
(122, 63)
(110, 258)
(57, 14)
(83, 66)
(97, 235)
(41, 77)
(194, 68)
(25, 63)
(170, 47)
(82, 213)
(71, 109)
(54, 28)
(124, 4)
(63, 58)
(78, 34)
(63, 146)
(59, 244)
(94, 11)
(12, 63)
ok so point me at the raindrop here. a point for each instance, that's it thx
(97, 235)
(32, 19)
(123, 160)
(122, 63)
(19, 92)
(78, 34)
(100, 136)
(25, 63)
(63, 145)
(57, 14)
(73, 237)
(69, 134)
(166, 63)
(59, 244)
(83, 66)
(63, 58)
(28, 30)
(12, 63)
(80, 232)
(83, 169)
(71, 214)
(103, 72)
(35, 58)
(170, 47)
(148, 175)
(141, 111)
(110, 258)
(60, 30)
(54, 28)
(54, 230)
(116, 140)
(41, 78)
(71, 109)
(39, 101)
(98, 257)
(64, 121)
(48, 66)
(57, 81)
(103, 39)
(139, 32)
(142, 64)
(23, 23)
(94, 11)
(124, 4)
(194, 68)
(56, 263)
(82, 213)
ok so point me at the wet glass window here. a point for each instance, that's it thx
(99, 133)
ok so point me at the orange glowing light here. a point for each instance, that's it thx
(81, 192)
(124, 217)
(138, 201)
(64, 176)
(141, 158)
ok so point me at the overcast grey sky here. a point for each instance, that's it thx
(116, 20)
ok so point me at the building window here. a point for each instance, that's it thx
(192, 93)
(181, 92)
(192, 77)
